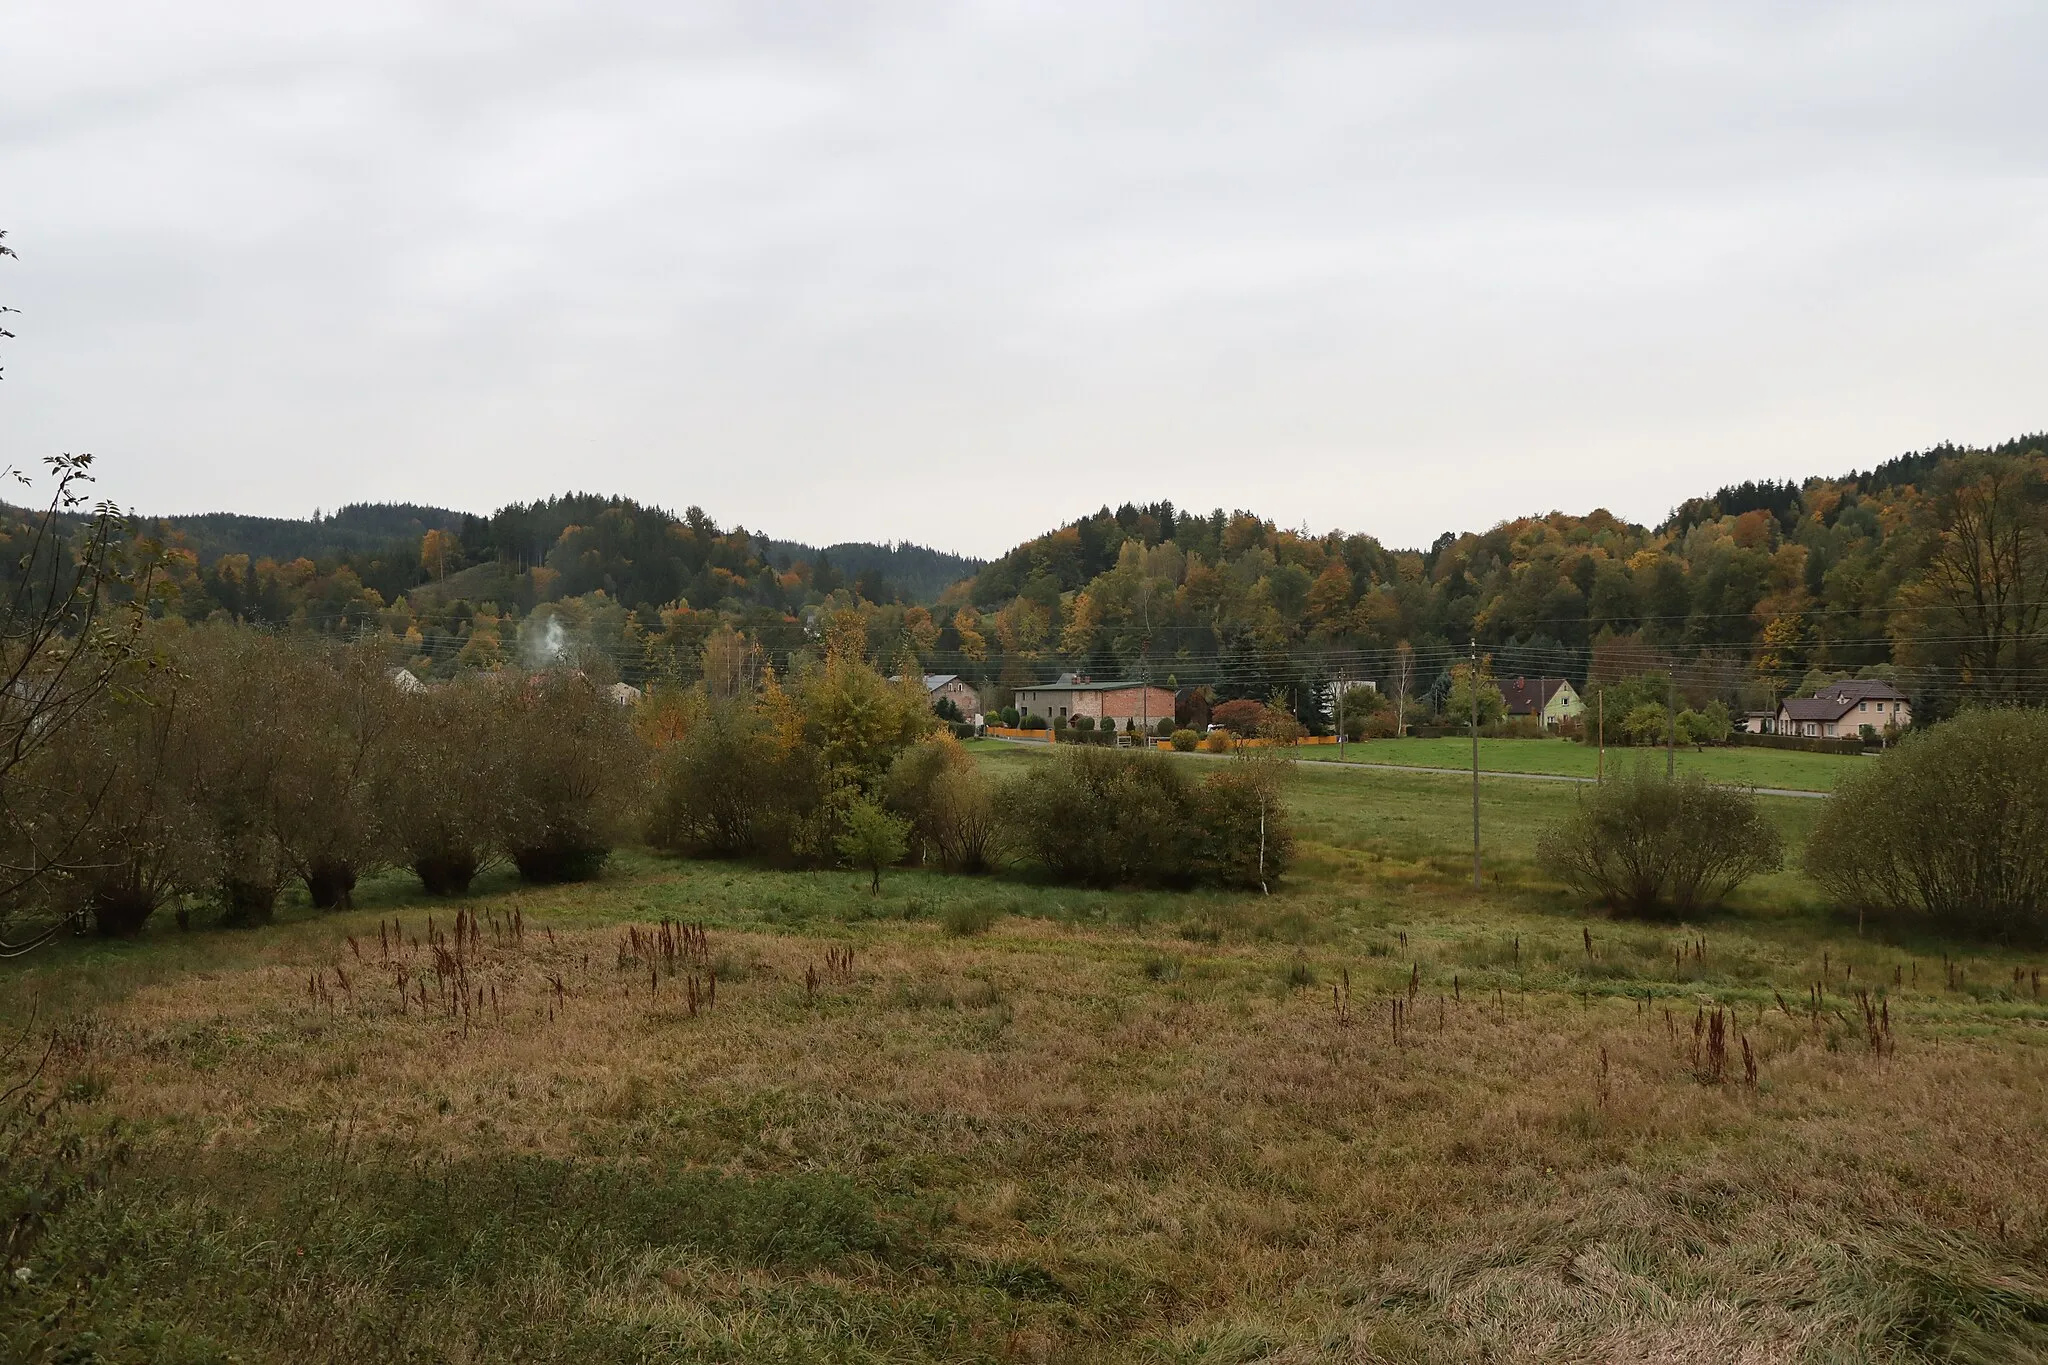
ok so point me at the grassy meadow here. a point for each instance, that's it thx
(1787, 769)
(1373, 1116)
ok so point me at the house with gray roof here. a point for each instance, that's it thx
(1841, 710)
(953, 688)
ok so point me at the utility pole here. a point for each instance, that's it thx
(1145, 692)
(1600, 764)
(1671, 724)
(1473, 682)
(1340, 720)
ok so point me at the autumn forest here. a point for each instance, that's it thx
(1930, 569)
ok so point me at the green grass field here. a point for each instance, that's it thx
(1373, 1116)
(1748, 767)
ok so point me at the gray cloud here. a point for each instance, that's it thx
(955, 273)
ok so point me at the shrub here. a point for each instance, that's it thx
(1217, 742)
(574, 771)
(1164, 727)
(1244, 839)
(962, 817)
(1083, 722)
(858, 722)
(1009, 715)
(962, 920)
(945, 708)
(1107, 816)
(872, 839)
(1645, 724)
(1032, 723)
(1359, 706)
(948, 800)
(1952, 825)
(1185, 741)
(1643, 843)
(1116, 817)
(713, 787)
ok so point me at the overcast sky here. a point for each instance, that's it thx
(957, 273)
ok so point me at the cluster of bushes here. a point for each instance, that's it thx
(1950, 826)
(1134, 817)
(1636, 711)
(231, 763)
(1074, 727)
(841, 763)
(775, 774)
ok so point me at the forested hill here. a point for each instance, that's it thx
(1932, 567)
(917, 574)
(356, 529)
(643, 555)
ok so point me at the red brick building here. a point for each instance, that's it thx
(1078, 695)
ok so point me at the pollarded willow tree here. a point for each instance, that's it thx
(443, 780)
(71, 612)
(574, 773)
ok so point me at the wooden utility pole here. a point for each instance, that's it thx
(1473, 683)
(1671, 724)
(1600, 764)
(1145, 692)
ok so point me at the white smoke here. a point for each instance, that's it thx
(545, 647)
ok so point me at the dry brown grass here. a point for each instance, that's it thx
(1207, 1163)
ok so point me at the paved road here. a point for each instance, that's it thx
(1464, 772)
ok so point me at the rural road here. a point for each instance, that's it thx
(1464, 772)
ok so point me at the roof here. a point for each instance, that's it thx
(1527, 696)
(932, 681)
(1816, 708)
(1069, 682)
(1863, 689)
(1836, 700)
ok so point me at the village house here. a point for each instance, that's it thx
(1841, 710)
(1550, 699)
(1078, 695)
(953, 688)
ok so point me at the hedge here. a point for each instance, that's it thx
(1803, 743)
